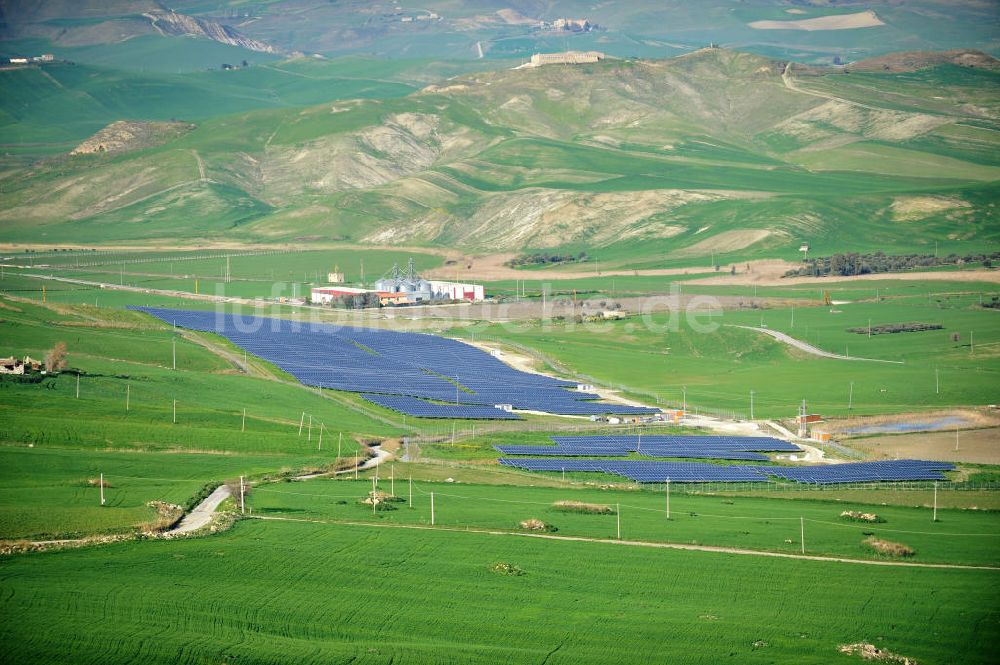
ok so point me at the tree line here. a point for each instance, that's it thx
(853, 263)
(539, 259)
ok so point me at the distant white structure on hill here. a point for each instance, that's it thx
(564, 58)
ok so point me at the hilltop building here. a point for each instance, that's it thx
(565, 58)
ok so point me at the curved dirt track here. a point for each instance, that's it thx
(809, 348)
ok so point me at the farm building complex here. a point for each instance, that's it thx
(402, 288)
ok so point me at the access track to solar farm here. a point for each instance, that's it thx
(464, 381)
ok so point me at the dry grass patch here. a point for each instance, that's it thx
(167, 515)
(888, 547)
(581, 507)
(865, 19)
(872, 652)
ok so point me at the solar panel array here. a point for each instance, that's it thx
(420, 408)
(621, 445)
(698, 472)
(386, 362)
(864, 472)
(645, 471)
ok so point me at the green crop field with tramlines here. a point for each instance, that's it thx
(317, 593)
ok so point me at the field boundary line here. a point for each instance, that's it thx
(633, 543)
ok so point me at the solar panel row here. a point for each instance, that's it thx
(725, 442)
(613, 451)
(696, 472)
(376, 361)
(621, 445)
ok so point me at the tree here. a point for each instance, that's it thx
(55, 359)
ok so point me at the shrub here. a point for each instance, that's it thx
(534, 524)
(858, 516)
(55, 359)
(507, 569)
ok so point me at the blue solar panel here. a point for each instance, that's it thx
(645, 442)
(695, 472)
(621, 445)
(385, 362)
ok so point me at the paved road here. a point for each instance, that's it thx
(202, 513)
(809, 348)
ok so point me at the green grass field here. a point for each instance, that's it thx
(270, 592)
(48, 492)
(653, 357)
(765, 524)
(138, 418)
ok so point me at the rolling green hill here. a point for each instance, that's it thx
(645, 163)
(196, 33)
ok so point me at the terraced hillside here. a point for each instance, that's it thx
(643, 162)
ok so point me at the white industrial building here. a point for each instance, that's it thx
(399, 288)
(418, 289)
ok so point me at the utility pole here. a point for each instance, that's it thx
(956, 439)
(803, 431)
(802, 533)
(972, 344)
(319, 446)
(411, 490)
(339, 442)
(935, 501)
(243, 503)
(751, 405)
(243, 427)
(175, 412)
(850, 397)
(684, 404)
(102, 488)
(174, 346)
(392, 479)
(618, 514)
(869, 328)
(301, 422)
(937, 382)
(78, 385)
(310, 428)
(432, 508)
(127, 391)
(355, 466)
(668, 497)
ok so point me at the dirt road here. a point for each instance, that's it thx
(809, 348)
(202, 513)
